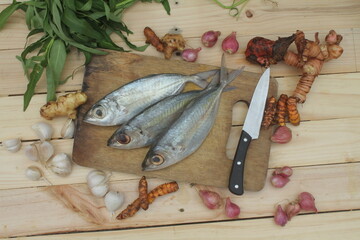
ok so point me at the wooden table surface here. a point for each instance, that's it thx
(324, 151)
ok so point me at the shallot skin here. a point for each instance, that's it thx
(230, 45)
(210, 38)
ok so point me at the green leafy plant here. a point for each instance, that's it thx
(83, 24)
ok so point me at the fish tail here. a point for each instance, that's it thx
(200, 78)
(231, 77)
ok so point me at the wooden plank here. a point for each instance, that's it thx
(330, 226)
(335, 187)
(13, 81)
(313, 144)
(267, 18)
(14, 165)
(311, 141)
(357, 47)
(336, 95)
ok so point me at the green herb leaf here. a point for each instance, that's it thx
(166, 6)
(87, 6)
(7, 12)
(34, 79)
(76, 24)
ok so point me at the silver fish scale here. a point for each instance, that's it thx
(189, 131)
(153, 118)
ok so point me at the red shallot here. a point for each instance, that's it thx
(210, 38)
(292, 209)
(212, 200)
(279, 181)
(280, 216)
(307, 201)
(231, 209)
(190, 55)
(230, 45)
(282, 134)
(284, 171)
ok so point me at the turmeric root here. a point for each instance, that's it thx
(293, 114)
(130, 210)
(167, 44)
(162, 190)
(269, 113)
(64, 106)
(281, 110)
(143, 195)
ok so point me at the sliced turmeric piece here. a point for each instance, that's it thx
(143, 193)
(162, 190)
(294, 116)
(269, 113)
(281, 110)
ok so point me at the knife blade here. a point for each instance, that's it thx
(249, 132)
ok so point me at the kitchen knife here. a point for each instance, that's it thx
(250, 131)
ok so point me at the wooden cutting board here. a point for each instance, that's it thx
(208, 165)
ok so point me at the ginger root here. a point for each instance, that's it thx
(168, 44)
(64, 106)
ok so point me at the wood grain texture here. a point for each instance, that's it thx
(311, 138)
(105, 74)
(330, 226)
(42, 213)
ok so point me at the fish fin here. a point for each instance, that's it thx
(215, 80)
(232, 76)
(200, 78)
(223, 70)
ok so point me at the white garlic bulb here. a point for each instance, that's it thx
(33, 173)
(68, 129)
(43, 130)
(46, 150)
(100, 190)
(12, 145)
(60, 164)
(114, 200)
(97, 181)
(31, 152)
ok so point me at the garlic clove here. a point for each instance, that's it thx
(68, 129)
(60, 164)
(100, 190)
(46, 150)
(114, 200)
(31, 152)
(12, 145)
(43, 130)
(96, 177)
(33, 173)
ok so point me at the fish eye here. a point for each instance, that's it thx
(123, 139)
(99, 112)
(157, 159)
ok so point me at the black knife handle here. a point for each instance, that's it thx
(236, 180)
